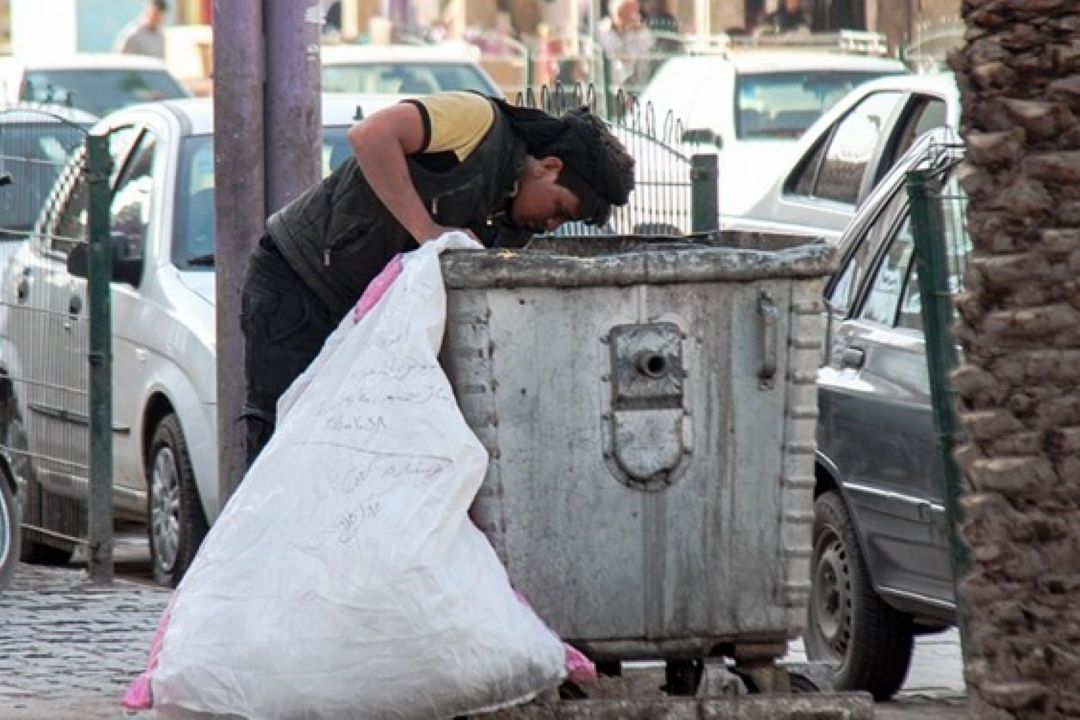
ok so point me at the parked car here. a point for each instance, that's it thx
(753, 105)
(36, 141)
(844, 155)
(95, 82)
(880, 565)
(405, 69)
(164, 368)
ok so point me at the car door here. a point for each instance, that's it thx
(877, 425)
(56, 341)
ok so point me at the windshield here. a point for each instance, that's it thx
(193, 221)
(785, 104)
(100, 90)
(32, 154)
(404, 78)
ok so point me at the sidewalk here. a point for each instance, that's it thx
(69, 649)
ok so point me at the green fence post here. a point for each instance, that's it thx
(704, 179)
(99, 276)
(941, 359)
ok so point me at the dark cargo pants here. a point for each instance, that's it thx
(285, 325)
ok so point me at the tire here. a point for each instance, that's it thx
(177, 524)
(10, 535)
(867, 642)
(36, 549)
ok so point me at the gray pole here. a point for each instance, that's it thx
(240, 181)
(293, 113)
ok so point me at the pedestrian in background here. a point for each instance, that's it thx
(626, 43)
(421, 167)
(789, 17)
(664, 29)
(143, 36)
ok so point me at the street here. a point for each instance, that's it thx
(68, 649)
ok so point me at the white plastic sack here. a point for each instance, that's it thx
(344, 578)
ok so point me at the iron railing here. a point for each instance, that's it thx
(942, 247)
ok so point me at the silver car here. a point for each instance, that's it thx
(164, 334)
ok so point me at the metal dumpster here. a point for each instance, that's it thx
(649, 407)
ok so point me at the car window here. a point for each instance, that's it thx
(852, 146)
(910, 315)
(785, 104)
(883, 299)
(194, 211)
(925, 114)
(65, 214)
(404, 78)
(129, 215)
(100, 90)
(860, 251)
(806, 175)
(33, 154)
(67, 225)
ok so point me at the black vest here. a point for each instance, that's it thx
(338, 235)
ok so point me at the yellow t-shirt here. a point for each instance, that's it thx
(454, 122)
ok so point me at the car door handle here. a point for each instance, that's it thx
(75, 305)
(853, 357)
(22, 290)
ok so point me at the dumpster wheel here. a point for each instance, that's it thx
(683, 677)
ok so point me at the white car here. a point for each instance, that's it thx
(404, 69)
(847, 152)
(753, 105)
(95, 82)
(164, 368)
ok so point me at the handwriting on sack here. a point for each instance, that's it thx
(395, 467)
(349, 523)
(369, 480)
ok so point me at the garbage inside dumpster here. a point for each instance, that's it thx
(344, 577)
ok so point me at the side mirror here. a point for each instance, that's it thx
(703, 136)
(126, 267)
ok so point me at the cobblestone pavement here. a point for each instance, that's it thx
(69, 649)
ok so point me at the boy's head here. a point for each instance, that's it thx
(577, 170)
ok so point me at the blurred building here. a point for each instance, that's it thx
(540, 27)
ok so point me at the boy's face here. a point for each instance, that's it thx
(541, 204)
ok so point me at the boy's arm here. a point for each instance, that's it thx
(381, 142)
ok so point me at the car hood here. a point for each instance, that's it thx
(748, 169)
(201, 283)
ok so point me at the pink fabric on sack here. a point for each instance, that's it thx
(377, 288)
(138, 695)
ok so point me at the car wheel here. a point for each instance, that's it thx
(9, 530)
(867, 642)
(177, 523)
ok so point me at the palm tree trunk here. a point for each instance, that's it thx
(1018, 389)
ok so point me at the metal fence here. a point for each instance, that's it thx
(674, 192)
(942, 249)
(44, 404)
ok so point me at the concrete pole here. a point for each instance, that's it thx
(293, 113)
(240, 181)
(268, 149)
